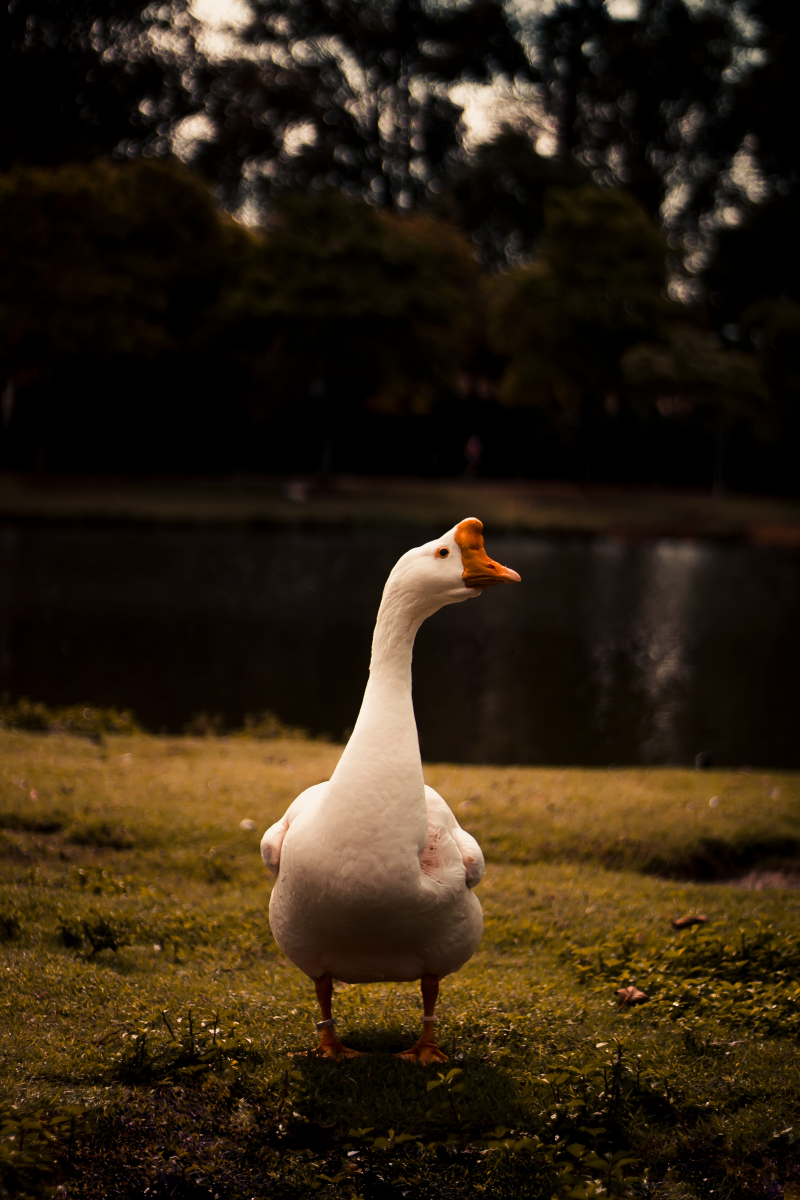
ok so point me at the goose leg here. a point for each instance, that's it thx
(329, 1044)
(426, 1051)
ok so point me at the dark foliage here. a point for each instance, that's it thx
(365, 83)
(761, 113)
(107, 270)
(347, 310)
(498, 195)
(335, 312)
(77, 719)
(85, 77)
(142, 332)
(754, 285)
(650, 101)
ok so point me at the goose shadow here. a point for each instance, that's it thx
(380, 1091)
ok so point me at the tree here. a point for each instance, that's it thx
(348, 311)
(593, 290)
(589, 334)
(765, 96)
(498, 195)
(688, 369)
(107, 274)
(105, 260)
(349, 93)
(368, 88)
(139, 327)
(645, 101)
(88, 77)
(753, 281)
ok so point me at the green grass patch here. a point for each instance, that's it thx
(670, 822)
(153, 1032)
(79, 719)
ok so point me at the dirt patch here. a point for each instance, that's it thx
(758, 881)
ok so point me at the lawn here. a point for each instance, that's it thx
(152, 1031)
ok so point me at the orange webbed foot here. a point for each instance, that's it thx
(329, 1044)
(338, 1051)
(330, 1047)
(424, 1054)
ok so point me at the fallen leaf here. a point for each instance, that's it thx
(686, 922)
(631, 995)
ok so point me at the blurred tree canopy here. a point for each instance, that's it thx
(498, 195)
(637, 101)
(111, 284)
(103, 260)
(688, 370)
(82, 78)
(594, 289)
(351, 94)
(376, 115)
(676, 157)
(753, 281)
(665, 100)
(760, 112)
(100, 260)
(681, 101)
(110, 272)
(351, 306)
(588, 323)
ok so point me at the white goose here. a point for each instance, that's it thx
(374, 871)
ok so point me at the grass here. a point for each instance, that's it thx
(150, 1021)
(674, 823)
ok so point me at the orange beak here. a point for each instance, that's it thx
(480, 571)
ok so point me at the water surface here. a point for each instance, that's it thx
(607, 652)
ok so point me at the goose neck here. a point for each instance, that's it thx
(393, 645)
(378, 780)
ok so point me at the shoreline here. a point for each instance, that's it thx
(547, 508)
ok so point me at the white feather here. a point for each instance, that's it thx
(374, 872)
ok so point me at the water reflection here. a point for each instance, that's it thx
(606, 653)
(664, 630)
(643, 635)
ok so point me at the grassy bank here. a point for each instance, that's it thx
(523, 507)
(151, 1021)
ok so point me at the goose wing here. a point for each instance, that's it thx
(272, 841)
(441, 822)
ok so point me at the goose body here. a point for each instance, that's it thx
(374, 873)
(409, 913)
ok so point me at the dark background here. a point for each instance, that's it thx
(624, 309)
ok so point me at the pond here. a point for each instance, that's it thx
(608, 652)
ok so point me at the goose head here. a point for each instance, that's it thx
(452, 568)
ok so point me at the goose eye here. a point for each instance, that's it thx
(443, 553)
